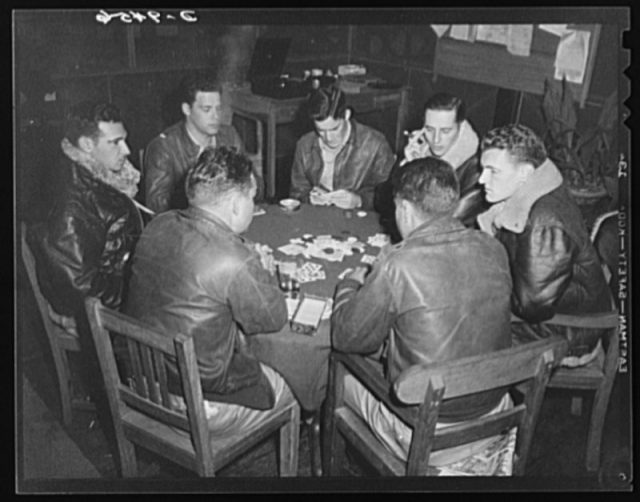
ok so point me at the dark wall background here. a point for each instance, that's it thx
(139, 68)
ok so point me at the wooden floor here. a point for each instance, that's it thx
(53, 459)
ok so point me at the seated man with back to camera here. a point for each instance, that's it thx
(342, 161)
(194, 274)
(448, 135)
(554, 265)
(454, 305)
(170, 154)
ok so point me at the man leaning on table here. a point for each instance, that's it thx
(194, 273)
(170, 154)
(341, 161)
(442, 293)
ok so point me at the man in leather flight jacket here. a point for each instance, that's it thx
(446, 134)
(85, 243)
(342, 161)
(170, 154)
(440, 294)
(554, 265)
(193, 273)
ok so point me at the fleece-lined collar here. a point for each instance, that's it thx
(513, 213)
(465, 146)
(126, 180)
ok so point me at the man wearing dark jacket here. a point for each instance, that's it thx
(193, 273)
(440, 294)
(554, 265)
(84, 245)
(170, 154)
(448, 135)
(342, 161)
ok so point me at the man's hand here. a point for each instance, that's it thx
(417, 146)
(345, 199)
(266, 258)
(318, 197)
(358, 274)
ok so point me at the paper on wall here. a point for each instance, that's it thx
(555, 29)
(571, 56)
(440, 29)
(464, 32)
(492, 33)
(519, 38)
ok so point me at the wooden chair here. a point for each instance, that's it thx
(61, 340)
(143, 414)
(599, 375)
(422, 390)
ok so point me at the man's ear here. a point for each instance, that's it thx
(347, 114)
(525, 170)
(186, 109)
(86, 144)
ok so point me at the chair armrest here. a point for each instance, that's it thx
(593, 321)
(370, 375)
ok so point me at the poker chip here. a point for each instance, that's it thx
(361, 214)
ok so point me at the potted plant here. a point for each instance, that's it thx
(587, 157)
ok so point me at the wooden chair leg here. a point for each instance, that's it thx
(313, 427)
(63, 372)
(289, 434)
(576, 406)
(127, 453)
(596, 425)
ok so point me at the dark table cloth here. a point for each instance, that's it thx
(303, 360)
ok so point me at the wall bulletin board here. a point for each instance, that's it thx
(492, 64)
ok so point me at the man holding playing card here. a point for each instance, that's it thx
(342, 161)
(193, 273)
(442, 293)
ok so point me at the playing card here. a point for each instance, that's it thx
(291, 249)
(368, 258)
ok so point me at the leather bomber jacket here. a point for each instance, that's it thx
(441, 294)
(555, 269)
(193, 275)
(363, 163)
(83, 247)
(167, 159)
(472, 200)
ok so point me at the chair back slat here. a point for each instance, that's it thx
(161, 373)
(148, 367)
(479, 428)
(165, 414)
(139, 382)
(475, 374)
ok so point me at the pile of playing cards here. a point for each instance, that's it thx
(310, 272)
(324, 247)
(378, 240)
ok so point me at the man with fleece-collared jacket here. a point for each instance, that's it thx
(447, 135)
(554, 265)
